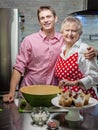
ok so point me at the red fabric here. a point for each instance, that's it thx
(69, 69)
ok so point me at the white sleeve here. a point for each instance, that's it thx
(90, 70)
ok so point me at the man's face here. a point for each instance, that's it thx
(47, 20)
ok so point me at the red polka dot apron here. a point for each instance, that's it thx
(69, 69)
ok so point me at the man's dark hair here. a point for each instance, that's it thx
(45, 8)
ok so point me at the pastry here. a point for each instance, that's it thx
(65, 102)
(78, 99)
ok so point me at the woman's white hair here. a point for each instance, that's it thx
(72, 19)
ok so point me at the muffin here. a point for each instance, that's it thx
(86, 96)
(65, 102)
(79, 101)
(70, 98)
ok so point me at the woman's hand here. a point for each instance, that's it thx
(63, 83)
(90, 53)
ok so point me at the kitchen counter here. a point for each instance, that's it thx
(12, 119)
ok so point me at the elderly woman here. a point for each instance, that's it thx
(72, 69)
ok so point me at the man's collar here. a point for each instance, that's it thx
(45, 37)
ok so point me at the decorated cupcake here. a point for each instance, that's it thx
(70, 98)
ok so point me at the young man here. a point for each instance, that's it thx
(38, 54)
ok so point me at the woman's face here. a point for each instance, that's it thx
(71, 33)
(47, 20)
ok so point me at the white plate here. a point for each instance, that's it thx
(92, 102)
(55, 109)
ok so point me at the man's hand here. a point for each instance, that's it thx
(90, 53)
(8, 97)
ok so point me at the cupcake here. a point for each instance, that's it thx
(70, 98)
(65, 102)
(65, 99)
(86, 96)
(79, 101)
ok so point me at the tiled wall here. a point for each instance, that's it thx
(90, 29)
(63, 7)
(29, 8)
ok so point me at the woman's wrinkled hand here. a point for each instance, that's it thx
(68, 83)
(63, 83)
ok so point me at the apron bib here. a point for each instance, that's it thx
(69, 69)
